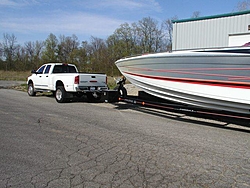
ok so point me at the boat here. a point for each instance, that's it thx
(217, 79)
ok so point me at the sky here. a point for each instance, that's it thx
(34, 20)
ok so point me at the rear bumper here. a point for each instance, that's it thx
(90, 89)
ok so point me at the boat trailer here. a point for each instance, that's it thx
(119, 94)
(229, 117)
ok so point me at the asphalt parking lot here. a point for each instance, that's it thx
(79, 144)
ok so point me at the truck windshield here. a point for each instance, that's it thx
(64, 69)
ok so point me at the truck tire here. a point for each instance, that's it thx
(31, 90)
(60, 94)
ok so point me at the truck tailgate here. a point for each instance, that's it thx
(98, 80)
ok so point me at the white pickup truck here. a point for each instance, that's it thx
(65, 82)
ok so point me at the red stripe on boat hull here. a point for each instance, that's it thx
(241, 85)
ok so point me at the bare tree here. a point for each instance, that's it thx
(22, 59)
(29, 46)
(81, 57)
(9, 49)
(150, 35)
(1, 50)
(34, 51)
(168, 26)
(39, 45)
(196, 14)
(126, 38)
(243, 5)
(97, 52)
(66, 48)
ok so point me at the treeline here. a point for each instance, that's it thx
(96, 55)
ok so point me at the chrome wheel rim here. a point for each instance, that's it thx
(30, 90)
(58, 94)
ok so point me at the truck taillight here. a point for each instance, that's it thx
(77, 79)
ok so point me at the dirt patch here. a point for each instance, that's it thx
(8, 84)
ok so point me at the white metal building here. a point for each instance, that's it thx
(212, 31)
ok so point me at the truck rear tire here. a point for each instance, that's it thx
(60, 94)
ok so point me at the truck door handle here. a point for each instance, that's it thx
(40, 76)
(47, 76)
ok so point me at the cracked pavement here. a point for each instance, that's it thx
(46, 144)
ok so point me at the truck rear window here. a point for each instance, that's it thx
(64, 69)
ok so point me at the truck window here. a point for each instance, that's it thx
(72, 69)
(40, 70)
(64, 69)
(47, 69)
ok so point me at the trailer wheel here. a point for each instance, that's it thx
(122, 91)
(60, 94)
(31, 90)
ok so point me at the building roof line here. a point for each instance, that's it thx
(212, 17)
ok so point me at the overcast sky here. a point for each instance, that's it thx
(31, 20)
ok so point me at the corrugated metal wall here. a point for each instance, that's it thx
(208, 32)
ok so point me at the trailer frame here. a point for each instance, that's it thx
(230, 117)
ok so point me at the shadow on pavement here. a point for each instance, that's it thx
(200, 119)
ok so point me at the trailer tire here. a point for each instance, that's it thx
(60, 94)
(122, 92)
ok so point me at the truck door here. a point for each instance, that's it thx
(38, 79)
(45, 80)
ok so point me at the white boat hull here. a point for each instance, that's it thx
(214, 80)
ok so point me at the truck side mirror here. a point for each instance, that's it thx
(33, 71)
